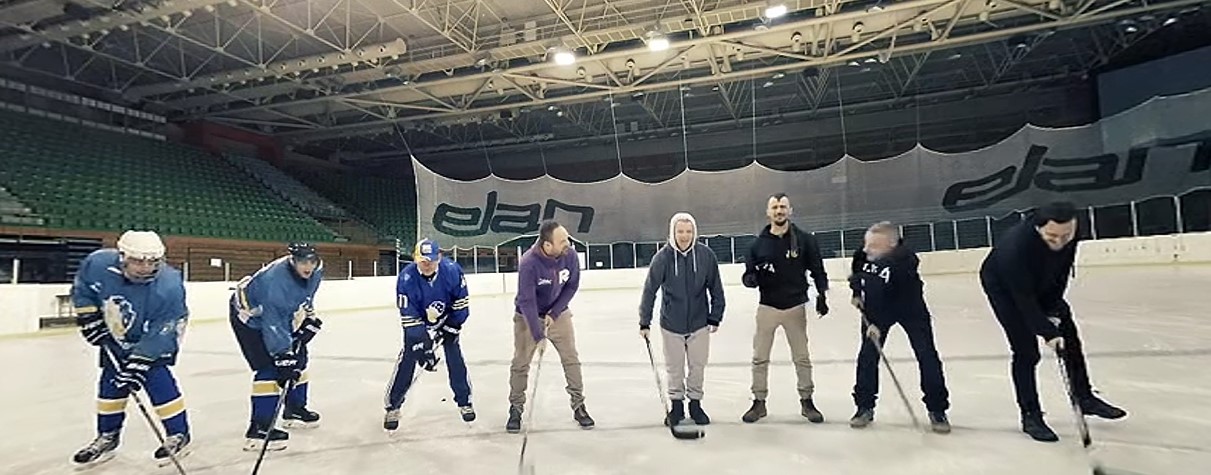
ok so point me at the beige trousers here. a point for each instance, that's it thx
(794, 323)
(560, 335)
(680, 351)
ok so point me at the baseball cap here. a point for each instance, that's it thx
(426, 249)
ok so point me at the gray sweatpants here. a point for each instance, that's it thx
(681, 350)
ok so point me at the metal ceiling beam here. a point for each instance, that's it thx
(65, 31)
(600, 31)
(639, 52)
(940, 43)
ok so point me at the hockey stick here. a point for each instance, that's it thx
(679, 432)
(525, 427)
(272, 423)
(146, 414)
(887, 364)
(1079, 415)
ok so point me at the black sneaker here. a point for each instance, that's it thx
(177, 445)
(697, 414)
(938, 422)
(299, 417)
(99, 450)
(1033, 425)
(755, 413)
(810, 412)
(1093, 406)
(513, 426)
(676, 413)
(257, 433)
(862, 418)
(582, 417)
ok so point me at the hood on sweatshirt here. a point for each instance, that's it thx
(673, 239)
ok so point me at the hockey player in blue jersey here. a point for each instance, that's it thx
(431, 294)
(273, 317)
(130, 303)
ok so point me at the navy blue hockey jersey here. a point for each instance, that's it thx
(444, 297)
(146, 318)
(275, 300)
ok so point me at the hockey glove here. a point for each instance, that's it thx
(133, 373)
(821, 305)
(448, 333)
(287, 367)
(307, 331)
(419, 342)
(93, 328)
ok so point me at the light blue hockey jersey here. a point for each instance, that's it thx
(275, 300)
(432, 301)
(146, 318)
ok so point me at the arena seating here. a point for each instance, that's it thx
(287, 187)
(388, 204)
(76, 177)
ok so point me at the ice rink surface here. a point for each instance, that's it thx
(1147, 331)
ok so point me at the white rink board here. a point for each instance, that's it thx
(1146, 328)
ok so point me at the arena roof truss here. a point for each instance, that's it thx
(359, 74)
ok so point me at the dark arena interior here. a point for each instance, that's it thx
(357, 133)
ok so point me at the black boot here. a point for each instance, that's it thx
(1093, 406)
(582, 417)
(862, 418)
(513, 425)
(1033, 425)
(754, 413)
(676, 414)
(697, 414)
(810, 412)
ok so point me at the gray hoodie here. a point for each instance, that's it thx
(685, 278)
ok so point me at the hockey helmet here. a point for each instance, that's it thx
(142, 254)
(303, 252)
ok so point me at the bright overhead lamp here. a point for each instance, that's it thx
(563, 57)
(657, 41)
(775, 11)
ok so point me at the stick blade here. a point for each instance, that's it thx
(687, 432)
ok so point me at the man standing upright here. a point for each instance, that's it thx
(1025, 278)
(548, 275)
(777, 265)
(685, 272)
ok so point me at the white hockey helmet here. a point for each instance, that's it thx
(141, 245)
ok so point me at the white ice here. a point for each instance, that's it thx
(1147, 331)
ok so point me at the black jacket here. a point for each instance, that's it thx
(1022, 267)
(890, 286)
(778, 267)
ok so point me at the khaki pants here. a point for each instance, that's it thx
(563, 338)
(680, 350)
(794, 323)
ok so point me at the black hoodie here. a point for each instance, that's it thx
(778, 267)
(1022, 267)
(890, 286)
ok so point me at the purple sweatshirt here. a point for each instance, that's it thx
(545, 286)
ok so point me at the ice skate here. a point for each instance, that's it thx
(99, 451)
(391, 420)
(256, 434)
(300, 418)
(177, 445)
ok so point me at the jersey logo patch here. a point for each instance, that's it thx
(564, 274)
(119, 314)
